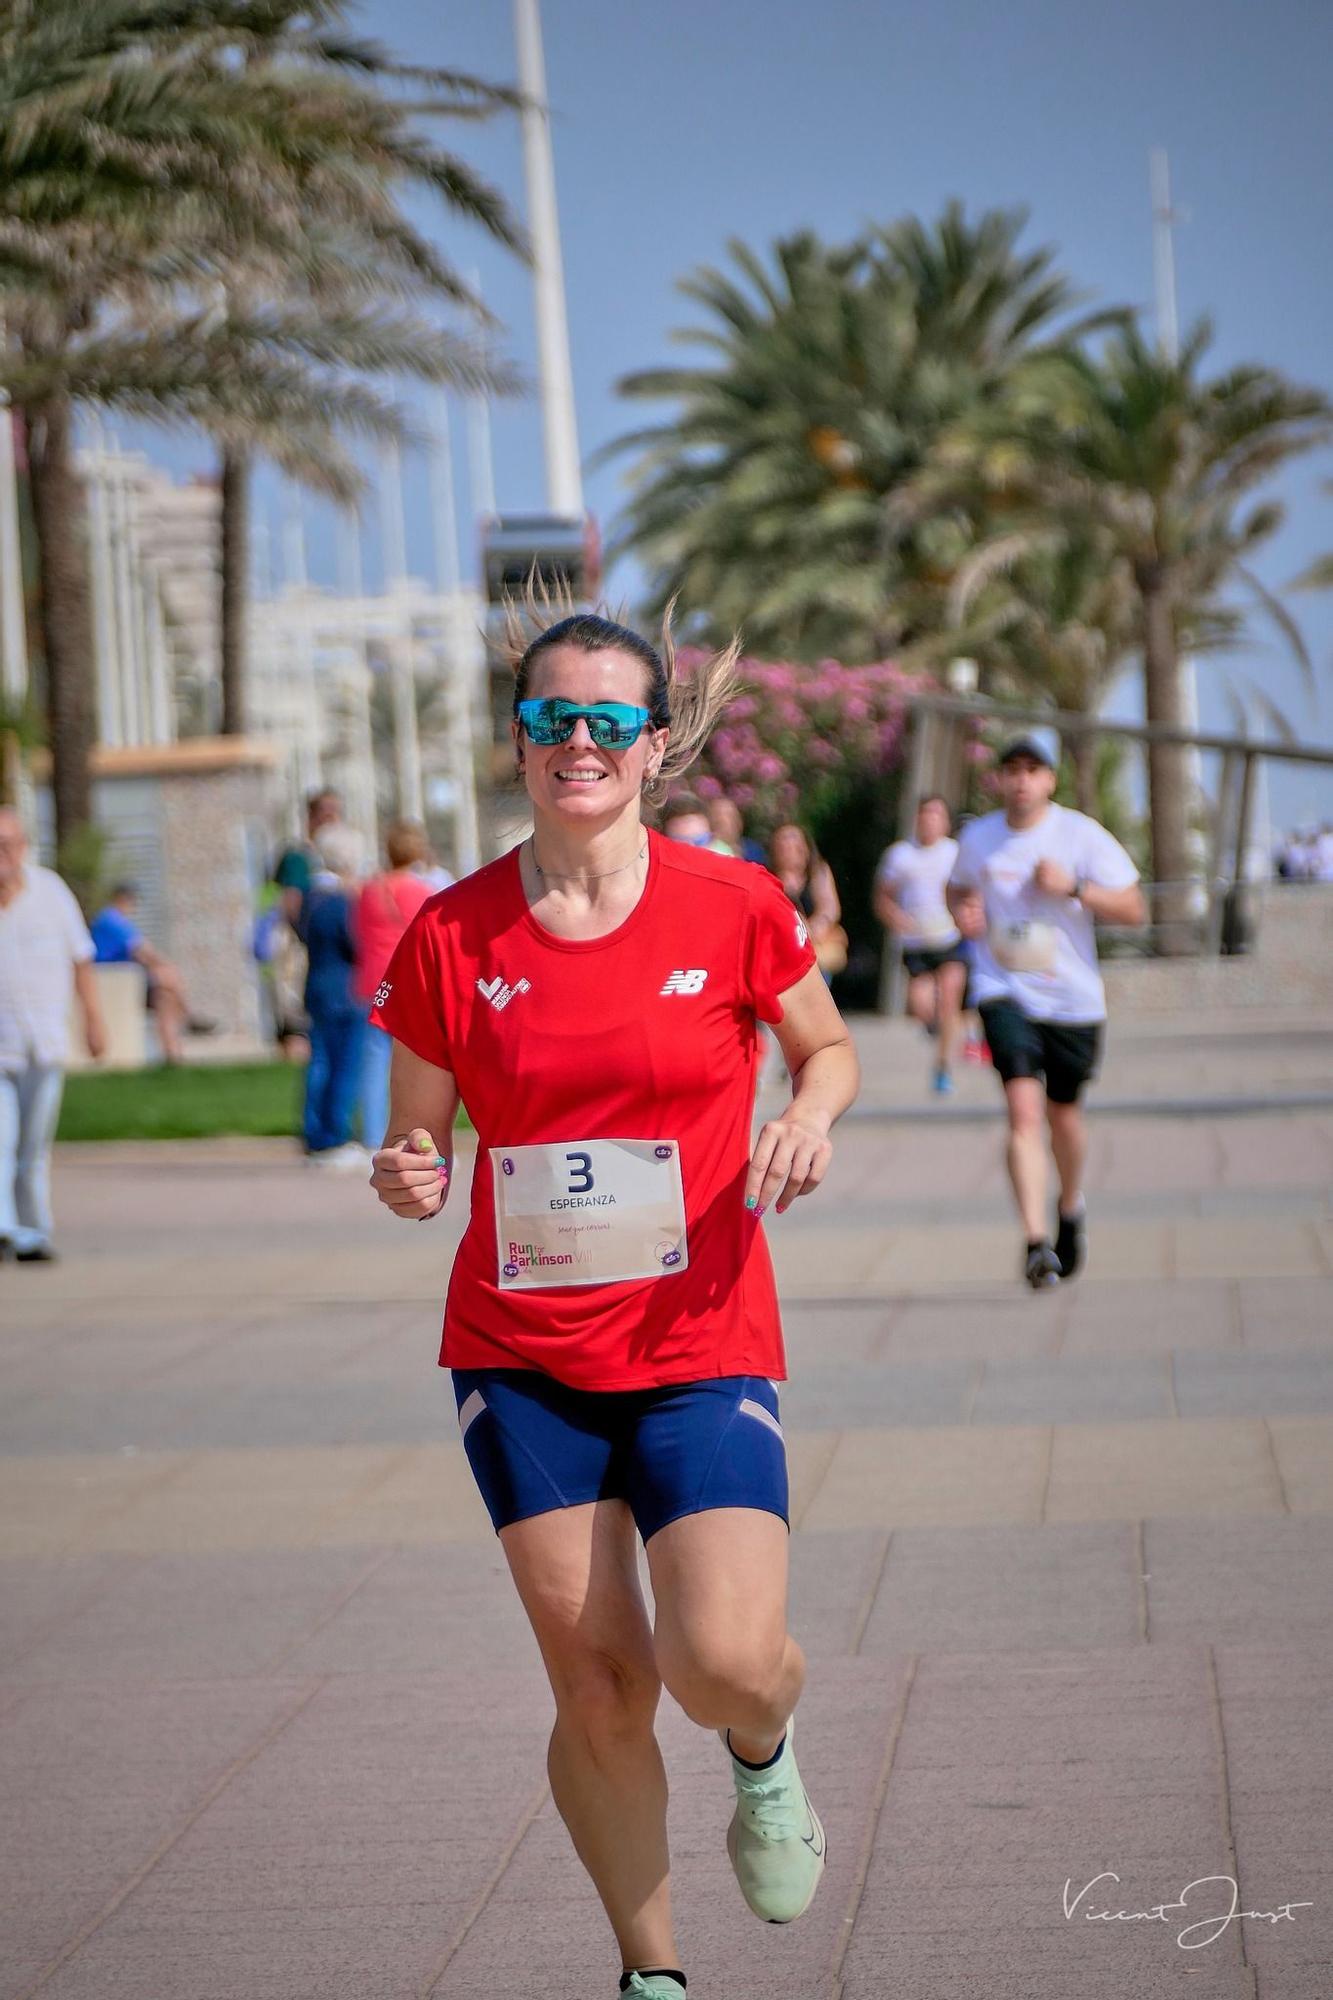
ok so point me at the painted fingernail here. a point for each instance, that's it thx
(751, 1200)
(760, 1211)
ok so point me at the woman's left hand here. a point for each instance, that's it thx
(790, 1158)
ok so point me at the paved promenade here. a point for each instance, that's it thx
(271, 1727)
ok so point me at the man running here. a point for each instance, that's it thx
(1029, 883)
(910, 901)
(612, 1322)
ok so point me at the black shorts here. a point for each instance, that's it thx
(930, 958)
(1063, 1054)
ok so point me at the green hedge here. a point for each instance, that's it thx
(255, 1100)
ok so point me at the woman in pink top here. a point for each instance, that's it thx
(384, 909)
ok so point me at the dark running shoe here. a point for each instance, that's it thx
(1042, 1269)
(1070, 1242)
(40, 1253)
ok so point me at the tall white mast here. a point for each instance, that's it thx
(1164, 253)
(564, 487)
(1164, 219)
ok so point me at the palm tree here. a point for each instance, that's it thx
(351, 248)
(768, 497)
(1050, 618)
(143, 168)
(1160, 465)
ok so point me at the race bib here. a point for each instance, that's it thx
(588, 1212)
(1023, 947)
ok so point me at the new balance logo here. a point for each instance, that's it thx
(499, 994)
(685, 982)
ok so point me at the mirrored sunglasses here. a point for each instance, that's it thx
(612, 725)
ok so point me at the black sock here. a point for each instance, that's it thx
(1036, 1243)
(768, 1762)
(648, 1972)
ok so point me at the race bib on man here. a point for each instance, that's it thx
(588, 1212)
(1023, 947)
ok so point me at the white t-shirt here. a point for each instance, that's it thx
(42, 936)
(915, 877)
(1039, 951)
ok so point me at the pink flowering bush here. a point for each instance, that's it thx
(800, 742)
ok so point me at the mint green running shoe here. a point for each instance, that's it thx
(660, 1985)
(775, 1839)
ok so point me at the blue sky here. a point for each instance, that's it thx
(676, 127)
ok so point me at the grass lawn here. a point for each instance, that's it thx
(257, 1100)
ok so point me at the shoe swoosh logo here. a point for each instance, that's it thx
(814, 1840)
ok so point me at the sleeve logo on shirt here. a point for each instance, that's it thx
(685, 982)
(802, 934)
(382, 992)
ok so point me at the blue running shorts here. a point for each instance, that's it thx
(535, 1445)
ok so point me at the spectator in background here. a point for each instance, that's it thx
(337, 1013)
(385, 906)
(46, 958)
(297, 865)
(431, 870)
(808, 881)
(119, 941)
(684, 819)
(724, 817)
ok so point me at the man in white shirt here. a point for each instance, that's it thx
(1028, 886)
(910, 885)
(46, 956)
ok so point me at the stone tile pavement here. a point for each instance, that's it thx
(271, 1725)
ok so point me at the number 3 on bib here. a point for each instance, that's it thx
(598, 1213)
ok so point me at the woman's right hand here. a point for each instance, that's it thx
(407, 1179)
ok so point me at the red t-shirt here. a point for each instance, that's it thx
(647, 1033)
(384, 909)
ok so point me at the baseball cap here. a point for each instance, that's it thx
(1041, 743)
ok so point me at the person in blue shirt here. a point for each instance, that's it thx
(336, 1010)
(117, 940)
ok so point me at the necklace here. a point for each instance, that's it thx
(548, 874)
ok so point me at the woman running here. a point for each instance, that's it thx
(612, 1323)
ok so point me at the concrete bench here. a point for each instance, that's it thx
(122, 990)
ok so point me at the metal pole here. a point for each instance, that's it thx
(448, 577)
(13, 625)
(564, 487)
(410, 799)
(1226, 787)
(1240, 892)
(921, 727)
(131, 667)
(480, 456)
(110, 704)
(309, 732)
(462, 657)
(351, 584)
